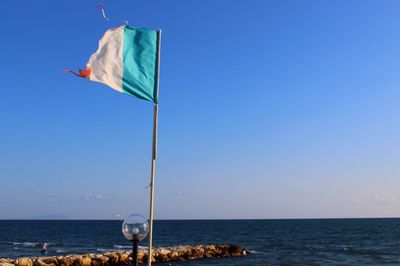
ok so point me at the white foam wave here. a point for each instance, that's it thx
(30, 244)
(122, 247)
(127, 247)
(103, 249)
(25, 244)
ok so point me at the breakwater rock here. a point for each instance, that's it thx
(178, 253)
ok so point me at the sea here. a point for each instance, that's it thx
(271, 242)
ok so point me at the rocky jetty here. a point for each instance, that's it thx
(178, 253)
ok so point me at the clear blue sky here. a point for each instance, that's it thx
(268, 109)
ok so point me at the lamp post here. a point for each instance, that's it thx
(135, 228)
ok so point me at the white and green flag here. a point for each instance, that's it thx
(126, 61)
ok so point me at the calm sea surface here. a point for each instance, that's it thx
(314, 241)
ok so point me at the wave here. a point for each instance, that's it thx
(60, 251)
(127, 247)
(258, 252)
(103, 249)
(25, 244)
(122, 247)
(30, 244)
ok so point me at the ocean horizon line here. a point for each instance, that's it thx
(205, 219)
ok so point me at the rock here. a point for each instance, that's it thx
(99, 260)
(67, 261)
(145, 256)
(198, 252)
(4, 260)
(49, 260)
(164, 251)
(6, 264)
(39, 263)
(235, 251)
(112, 258)
(96, 262)
(140, 256)
(24, 262)
(174, 255)
(83, 261)
(162, 254)
(124, 258)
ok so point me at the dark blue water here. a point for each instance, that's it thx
(314, 241)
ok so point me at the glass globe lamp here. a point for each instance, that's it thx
(135, 227)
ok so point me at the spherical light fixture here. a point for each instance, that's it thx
(135, 228)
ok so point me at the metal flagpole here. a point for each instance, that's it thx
(154, 154)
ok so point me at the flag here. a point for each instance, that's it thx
(127, 61)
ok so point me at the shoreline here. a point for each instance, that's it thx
(159, 254)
